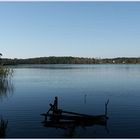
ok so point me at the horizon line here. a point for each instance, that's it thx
(75, 57)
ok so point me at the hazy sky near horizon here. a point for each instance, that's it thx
(83, 29)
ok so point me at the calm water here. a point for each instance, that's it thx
(80, 88)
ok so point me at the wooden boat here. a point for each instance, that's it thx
(63, 119)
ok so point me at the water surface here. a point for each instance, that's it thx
(80, 88)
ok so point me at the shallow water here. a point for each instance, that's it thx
(80, 88)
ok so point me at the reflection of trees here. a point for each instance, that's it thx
(6, 85)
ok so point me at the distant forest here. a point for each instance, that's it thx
(70, 60)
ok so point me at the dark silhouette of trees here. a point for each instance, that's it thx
(71, 60)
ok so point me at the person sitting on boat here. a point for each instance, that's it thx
(56, 103)
(54, 107)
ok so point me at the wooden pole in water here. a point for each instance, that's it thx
(106, 107)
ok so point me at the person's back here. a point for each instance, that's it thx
(56, 103)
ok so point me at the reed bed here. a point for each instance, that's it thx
(3, 127)
(5, 72)
(6, 85)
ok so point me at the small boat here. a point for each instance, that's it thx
(60, 118)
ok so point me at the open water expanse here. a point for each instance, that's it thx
(79, 88)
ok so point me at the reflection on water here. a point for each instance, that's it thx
(70, 121)
(70, 126)
(6, 87)
(81, 88)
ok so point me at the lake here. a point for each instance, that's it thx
(79, 88)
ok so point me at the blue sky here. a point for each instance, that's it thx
(83, 29)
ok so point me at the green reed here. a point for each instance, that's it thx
(3, 127)
(5, 72)
(6, 85)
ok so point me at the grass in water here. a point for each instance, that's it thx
(3, 127)
(6, 85)
(5, 72)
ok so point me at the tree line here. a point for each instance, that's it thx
(70, 60)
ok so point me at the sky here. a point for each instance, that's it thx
(82, 29)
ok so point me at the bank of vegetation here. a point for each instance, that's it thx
(71, 60)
